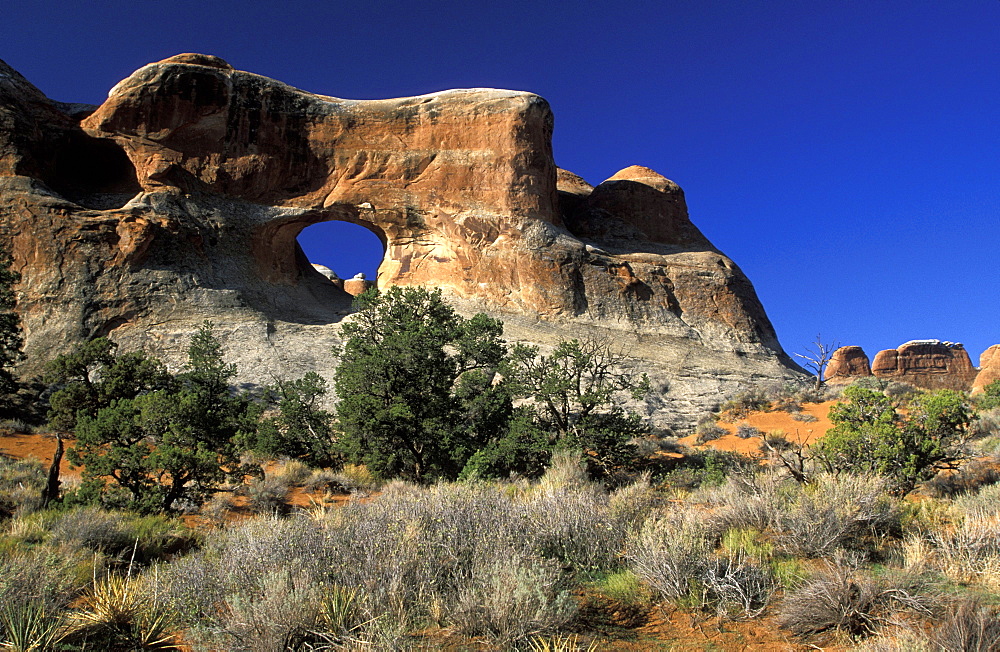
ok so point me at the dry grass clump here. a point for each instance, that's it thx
(268, 495)
(970, 477)
(21, 484)
(743, 404)
(967, 626)
(480, 560)
(843, 597)
(814, 520)
(969, 552)
(674, 554)
(708, 430)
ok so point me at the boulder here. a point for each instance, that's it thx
(930, 364)
(180, 198)
(989, 368)
(847, 364)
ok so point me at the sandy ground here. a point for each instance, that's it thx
(798, 432)
(36, 447)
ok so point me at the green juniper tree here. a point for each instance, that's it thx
(155, 444)
(301, 428)
(575, 392)
(870, 436)
(406, 358)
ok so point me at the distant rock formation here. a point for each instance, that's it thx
(989, 368)
(931, 364)
(847, 364)
(180, 198)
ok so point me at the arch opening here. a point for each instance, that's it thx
(92, 172)
(346, 253)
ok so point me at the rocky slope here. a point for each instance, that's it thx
(180, 199)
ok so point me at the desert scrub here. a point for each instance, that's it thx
(268, 495)
(52, 577)
(969, 552)
(746, 431)
(812, 520)
(708, 430)
(841, 596)
(743, 404)
(674, 555)
(122, 536)
(21, 484)
(670, 552)
(968, 625)
(468, 557)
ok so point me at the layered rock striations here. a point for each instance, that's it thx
(929, 364)
(180, 198)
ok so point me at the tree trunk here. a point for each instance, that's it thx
(51, 490)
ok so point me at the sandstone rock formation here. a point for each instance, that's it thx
(180, 199)
(989, 368)
(847, 364)
(931, 364)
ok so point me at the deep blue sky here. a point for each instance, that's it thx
(845, 154)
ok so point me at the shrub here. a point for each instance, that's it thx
(357, 478)
(787, 404)
(970, 551)
(268, 495)
(470, 557)
(671, 552)
(45, 577)
(987, 423)
(706, 468)
(16, 426)
(970, 477)
(841, 597)
(740, 407)
(812, 521)
(21, 484)
(709, 432)
(217, 509)
(294, 472)
(847, 511)
(804, 417)
(746, 431)
(736, 587)
(776, 441)
(968, 626)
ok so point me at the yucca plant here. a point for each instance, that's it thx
(341, 616)
(559, 643)
(29, 626)
(118, 612)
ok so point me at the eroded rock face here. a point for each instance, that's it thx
(180, 199)
(989, 368)
(847, 364)
(930, 364)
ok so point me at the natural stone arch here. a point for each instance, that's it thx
(279, 256)
(460, 185)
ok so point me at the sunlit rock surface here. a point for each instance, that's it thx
(180, 198)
